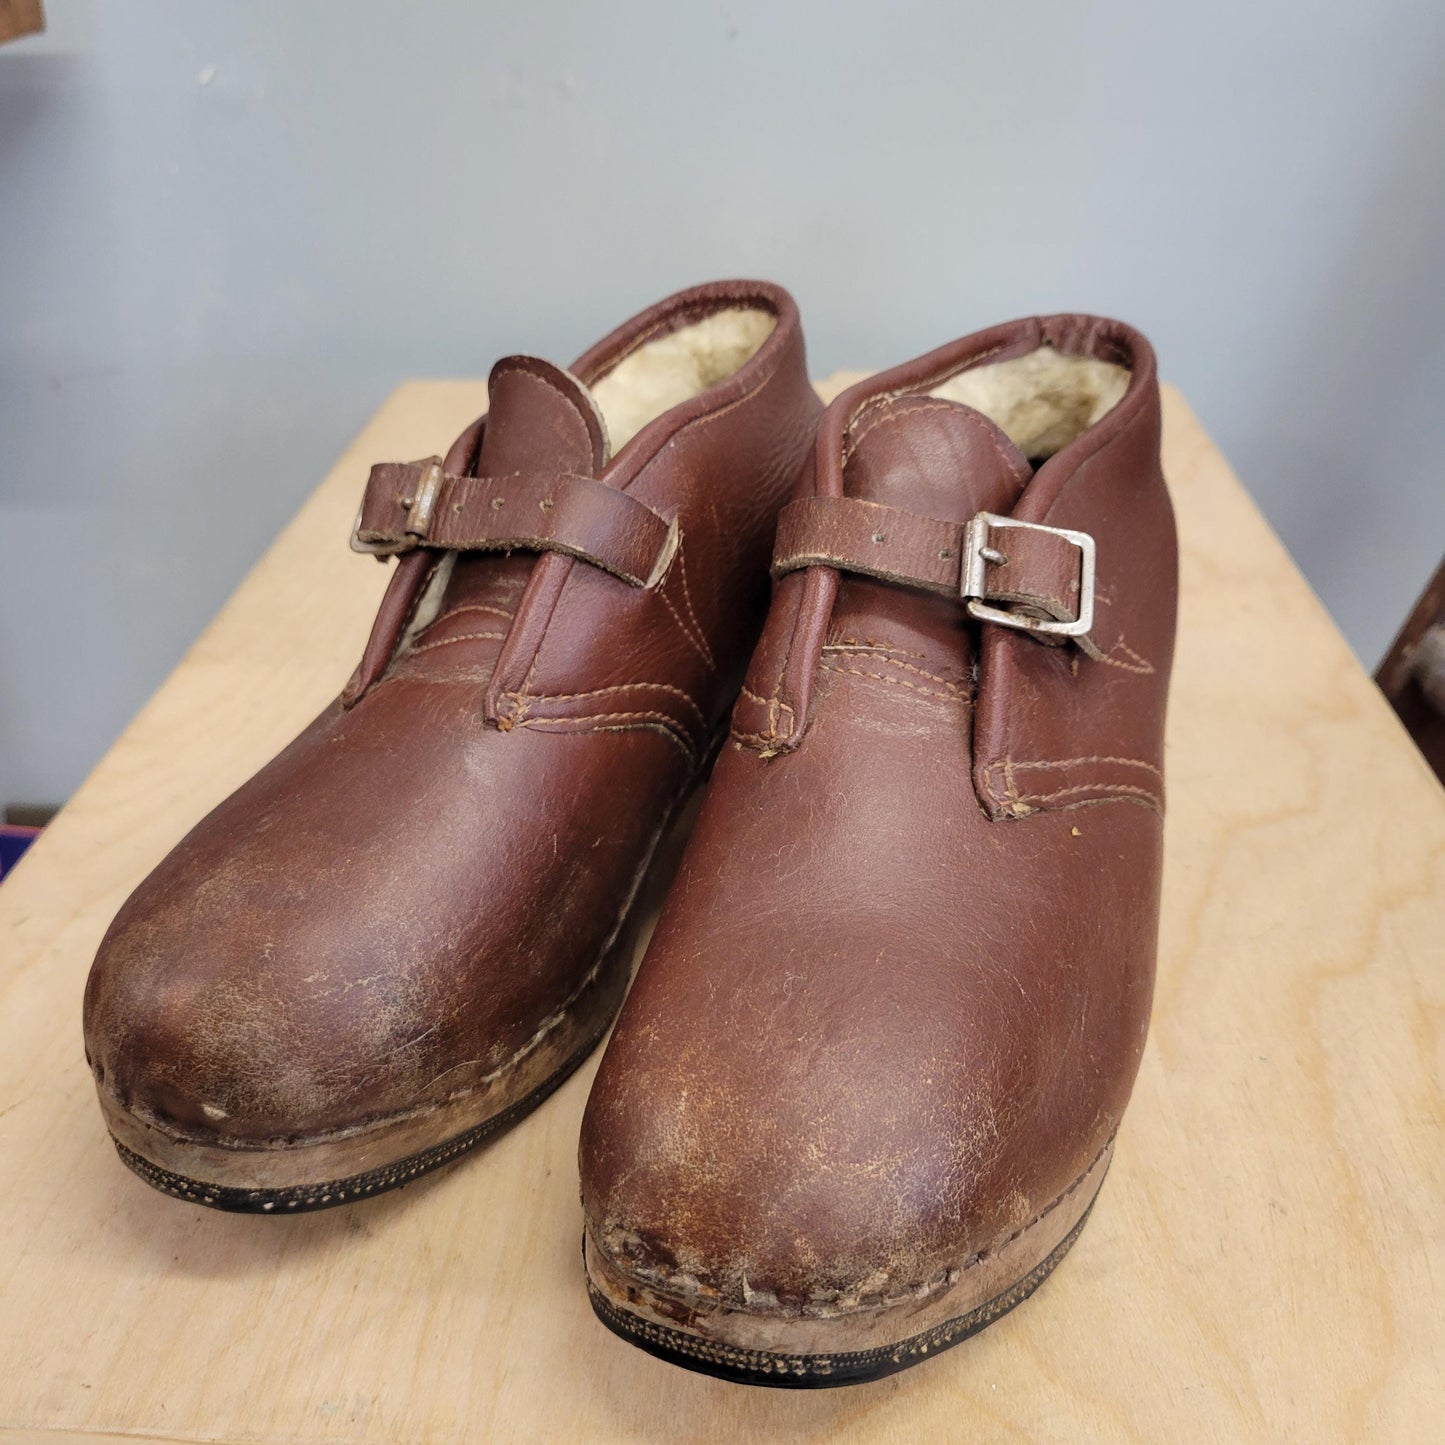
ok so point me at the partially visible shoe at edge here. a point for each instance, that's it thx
(416, 920)
(867, 1083)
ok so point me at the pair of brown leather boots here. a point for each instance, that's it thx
(866, 1085)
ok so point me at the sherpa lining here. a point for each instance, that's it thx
(677, 366)
(1042, 400)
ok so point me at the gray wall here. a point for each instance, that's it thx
(227, 230)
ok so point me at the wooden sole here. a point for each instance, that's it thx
(305, 1198)
(752, 1349)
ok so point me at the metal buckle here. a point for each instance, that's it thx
(977, 554)
(418, 516)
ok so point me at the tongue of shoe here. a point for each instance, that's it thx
(539, 419)
(939, 459)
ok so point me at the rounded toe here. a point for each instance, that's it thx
(245, 1030)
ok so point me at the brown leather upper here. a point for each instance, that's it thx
(400, 904)
(895, 1003)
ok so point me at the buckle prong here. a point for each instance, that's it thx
(423, 503)
(979, 553)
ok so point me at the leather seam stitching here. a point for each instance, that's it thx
(1140, 665)
(762, 741)
(463, 637)
(571, 401)
(1111, 789)
(470, 607)
(775, 707)
(1012, 798)
(864, 644)
(658, 722)
(696, 641)
(666, 687)
(861, 430)
(883, 656)
(932, 379)
(897, 682)
(1091, 758)
(687, 600)
(976, 421)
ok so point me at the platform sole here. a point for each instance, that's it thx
(201, 1185)
(850, 1349)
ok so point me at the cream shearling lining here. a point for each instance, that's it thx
(1043, 400)
(677, 366)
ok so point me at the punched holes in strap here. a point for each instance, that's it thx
(1023, 575)
(415, 504)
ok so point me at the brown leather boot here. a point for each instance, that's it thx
(866, 1085)
(412, 924)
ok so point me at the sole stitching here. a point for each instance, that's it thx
(764, 1367)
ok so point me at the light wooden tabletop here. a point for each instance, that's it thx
(1267, 1259)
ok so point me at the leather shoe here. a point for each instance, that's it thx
(409, 927)
(867, 1082)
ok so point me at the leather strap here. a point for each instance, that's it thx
(854, 535)
(992, 563)
(415, 504)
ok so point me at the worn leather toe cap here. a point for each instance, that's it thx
(851, 1184)
(249, 1034)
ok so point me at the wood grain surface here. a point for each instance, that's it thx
(1267, 1258)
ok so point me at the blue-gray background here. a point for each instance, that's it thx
(227, 230)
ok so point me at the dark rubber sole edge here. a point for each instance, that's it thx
(308, 1198)
(821, 1372)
